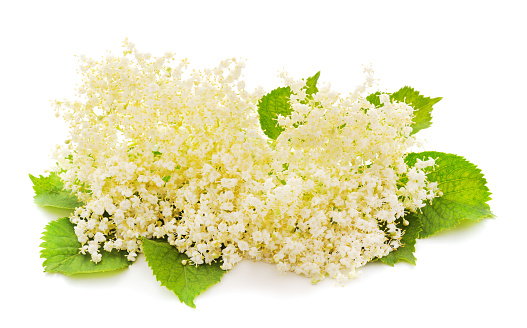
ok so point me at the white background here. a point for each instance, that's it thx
(470, 53)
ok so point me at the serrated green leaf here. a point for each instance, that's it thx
(61, 251)
(49, 191)
(311, 84)
(465, 194)
(422, 105)
(270, 106)
(406, 251)
(186, 281)
(277, 103)
(374, 99)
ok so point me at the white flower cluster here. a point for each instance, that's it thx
(159, 151)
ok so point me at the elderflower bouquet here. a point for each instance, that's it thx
(198, 173)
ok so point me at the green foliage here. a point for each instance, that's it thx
(465, 194)
(61, 251)
(311, 84)
(422, 105)
(277, 103)
(186, 281)
(374, 99)
(49, 191)
(465, 197)
(270, 106)
(406, 251)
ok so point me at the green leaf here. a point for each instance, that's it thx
(406, 251)
(465, 194)
(277, 103)
(422, 105)
(270, 106)
(311, 84)
(61, 251)
(186, 281)
(49, 191)
(374, 99)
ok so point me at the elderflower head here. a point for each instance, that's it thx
(158, 151)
